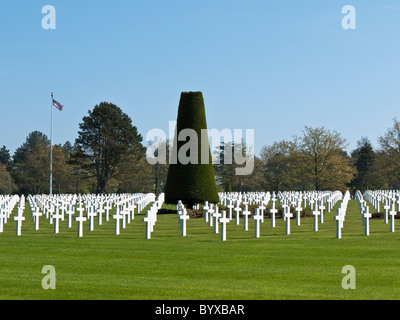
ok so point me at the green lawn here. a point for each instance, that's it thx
(303, 265)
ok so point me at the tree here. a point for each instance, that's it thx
(106, 135)
(159, 169)
(390, 147)
(227, 178)
(5, 180)
(31, 164)
(364, 159)
(62, 171)
(190, 179)
(5, 157)
(280, 166)
(80, 177)
(134, 176)
(323, 162)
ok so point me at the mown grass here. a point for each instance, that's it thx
(101, 265)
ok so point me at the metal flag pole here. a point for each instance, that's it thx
(51, 148)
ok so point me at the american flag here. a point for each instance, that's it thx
(58, 105)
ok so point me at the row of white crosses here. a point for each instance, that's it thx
(125, 208)
(390, 200)
(364, 211)
(7, 205)
(287, 200)
(182, 217)
(151, 214)
(85, 208)
(341, 213)
(261, 199)
(315, 200)
(20, 215)
(214, 218)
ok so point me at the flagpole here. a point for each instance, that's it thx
(51, 148)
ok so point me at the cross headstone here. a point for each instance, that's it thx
(298, 211)
(91, 214)
(3, 215)
(288, 215)
(100, 212)
(223, 220)
(19, 218)
(117, 217)
(210, 215)
(108, 207)
(237, 210)
(36, 214)
(284, 209)
(149, 219)
(273, 211)
(230, 206)
(57, 217)
(70, 213)
(262, 207)
(366, 217)
(392, 213)
(321, 211)
(246, 214)
(316, 213)
(386, 207)
(257, 219)
(62, 208)
(206, 212)
(398, 202)
(216, 215)
(184, 217)
(80, 219)
(339, 222)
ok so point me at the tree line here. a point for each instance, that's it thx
(109, 157)
(317, 160)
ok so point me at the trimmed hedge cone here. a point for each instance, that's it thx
(190, 182)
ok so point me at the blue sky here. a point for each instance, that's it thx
(272, 66)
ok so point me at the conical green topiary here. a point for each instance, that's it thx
(192, 183)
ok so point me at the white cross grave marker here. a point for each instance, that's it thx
(316, 213)
(339, 223)
(2, 217)
(366, 217)
(392, 213)
(36, 213)
(216, 215)
(224, 220)
(117, 217)
(298, 210)
(273, 211)
(57, 217)
(183, 217)
(19, 218)
(246, 214)
(387, 208)
(321, 210)
(288, 215)
(80, 219)
(237, 213)
(257, 219)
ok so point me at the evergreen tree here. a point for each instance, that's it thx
(106, 136)
(189, 178)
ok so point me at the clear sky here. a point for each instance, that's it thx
(272, 66)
